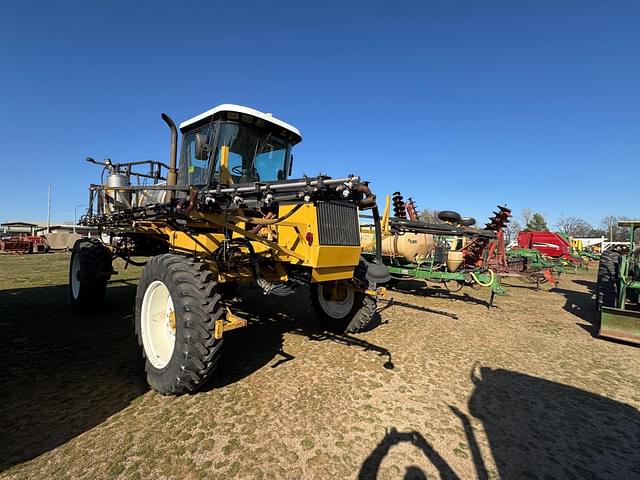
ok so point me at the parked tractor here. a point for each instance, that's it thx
(618, 288)
(227, 215)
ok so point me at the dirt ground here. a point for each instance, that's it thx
(444, 387)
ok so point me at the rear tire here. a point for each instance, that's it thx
(177, 306)
(607, 286)
(341, 308)
(89, 271)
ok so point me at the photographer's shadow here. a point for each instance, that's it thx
(371, 465)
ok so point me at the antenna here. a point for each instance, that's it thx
(49, 211)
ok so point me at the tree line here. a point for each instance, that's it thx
(572, 226)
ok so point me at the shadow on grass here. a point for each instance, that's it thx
(536, 428)
(66, 373)
(590, 284)
(63, 373)
(542, 429)
(371, 465)
(417, 287)
(544, 287)
(395, 302)
(582, 305)
(248, 349)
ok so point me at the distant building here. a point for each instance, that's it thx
(40, 228)
(79, 229)
(19, 228)
(591, 241)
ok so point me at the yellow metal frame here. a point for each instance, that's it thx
(293, 240)
(225, 174)
(230, 322)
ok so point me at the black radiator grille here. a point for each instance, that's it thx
(338, 224)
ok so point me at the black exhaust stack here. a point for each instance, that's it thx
(172, 176)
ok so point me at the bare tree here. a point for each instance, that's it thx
(574, 226)
(429, 216)
(527, 215)
(614, 232)
(511, 231)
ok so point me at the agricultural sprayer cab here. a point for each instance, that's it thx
(452, 253)
(617, 290)
(226, 215)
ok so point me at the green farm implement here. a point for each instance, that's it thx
(453, 253)
(533, 266)
(618, 288)
(590, 255)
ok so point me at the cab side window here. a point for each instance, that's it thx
(193, 170)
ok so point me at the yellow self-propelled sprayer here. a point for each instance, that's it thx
(226, 215)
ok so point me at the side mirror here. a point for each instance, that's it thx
(291, 165)
(202, 147)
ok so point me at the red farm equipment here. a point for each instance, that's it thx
(23, 244)
(548, 243)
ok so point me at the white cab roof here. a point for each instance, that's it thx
(228, 107)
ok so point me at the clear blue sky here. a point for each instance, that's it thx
(461, 105)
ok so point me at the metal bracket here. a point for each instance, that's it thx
(378, 292)
(230, 322)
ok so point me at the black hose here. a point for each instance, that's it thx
(378, 230)
(268, 288)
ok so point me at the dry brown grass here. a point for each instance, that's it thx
(520, 391)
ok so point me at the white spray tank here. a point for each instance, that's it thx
(411, 246)
(117, 199)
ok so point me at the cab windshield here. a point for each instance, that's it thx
(254, 155)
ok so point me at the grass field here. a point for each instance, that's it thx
(444, 387)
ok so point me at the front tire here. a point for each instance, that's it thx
(340, 307)
(89, 270)
(177, 306)
(347, 311)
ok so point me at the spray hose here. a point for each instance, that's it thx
(488, 284)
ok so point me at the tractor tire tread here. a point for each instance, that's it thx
(95, 271)
(607, 283)
(197, 351)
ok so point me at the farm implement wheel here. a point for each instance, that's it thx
(453, 286)
(89, 271)
(177, 306)
(449, 216)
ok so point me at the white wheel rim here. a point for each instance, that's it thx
(335, 308)
(75, 276)
(158, 324)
